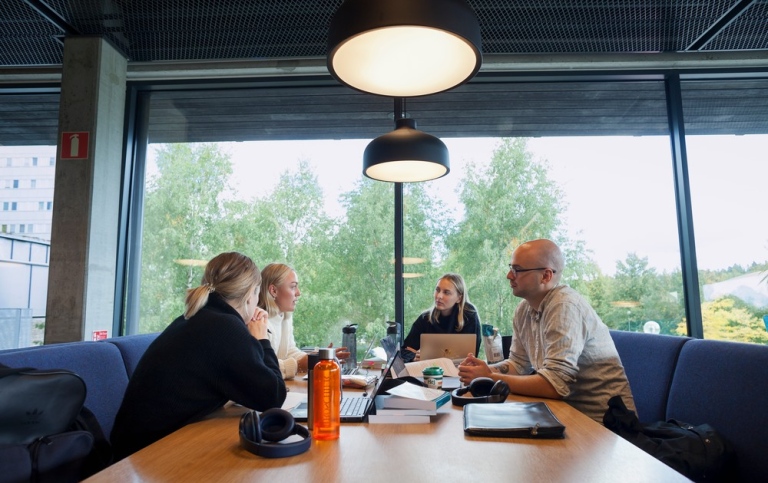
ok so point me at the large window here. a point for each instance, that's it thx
(726, 139)
(731, 237)
(301, 203)
(588, 164)
(608, 201)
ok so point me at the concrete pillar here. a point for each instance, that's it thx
(84, 233)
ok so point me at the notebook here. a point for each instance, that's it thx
(453, 346)
(353, 409)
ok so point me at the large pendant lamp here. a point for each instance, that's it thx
(404, 48)
(406, 154)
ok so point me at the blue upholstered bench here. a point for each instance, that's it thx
(724, 384)
(132, 347)
(703, 381)
(649, 361)
(105, 366)
(100, 365)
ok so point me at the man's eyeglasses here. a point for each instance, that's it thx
(515, 271)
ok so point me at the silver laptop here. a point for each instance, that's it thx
(452, 346)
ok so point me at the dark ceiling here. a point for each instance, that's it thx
(172, 30)
(154, 34)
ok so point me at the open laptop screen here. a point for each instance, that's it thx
(452, 346)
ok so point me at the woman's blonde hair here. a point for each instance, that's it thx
(273, 274)
(458, 283)
(232, 275)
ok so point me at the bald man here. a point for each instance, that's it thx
(560, 348)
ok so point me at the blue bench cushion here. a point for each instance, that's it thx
(132, 347)
(100, 365)
(649, 362)
(724, 384)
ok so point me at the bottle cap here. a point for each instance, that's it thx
(349, 329)
(327, 353)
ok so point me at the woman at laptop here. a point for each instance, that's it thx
(451, 314)
(278, 296)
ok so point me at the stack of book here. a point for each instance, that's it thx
(408, 404)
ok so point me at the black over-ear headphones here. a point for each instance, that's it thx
(483, 389)
(261, 434)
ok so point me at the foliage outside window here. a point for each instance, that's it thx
(345, 260)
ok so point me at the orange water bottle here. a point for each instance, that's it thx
(326, 397)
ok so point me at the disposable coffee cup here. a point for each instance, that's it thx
(433, 377)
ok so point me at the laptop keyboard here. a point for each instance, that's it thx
(353, 406)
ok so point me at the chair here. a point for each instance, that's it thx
(506, 342)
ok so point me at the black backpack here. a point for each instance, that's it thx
(46, 433)
(698, 452)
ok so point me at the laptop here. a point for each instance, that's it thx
(452, 346)
(353, 409)
(349, 371)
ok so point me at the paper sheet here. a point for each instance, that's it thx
(449, 369)
(412, 391)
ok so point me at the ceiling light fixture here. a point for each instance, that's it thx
(406, 154)
(404, 48)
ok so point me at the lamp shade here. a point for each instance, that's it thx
(406, 155)
(404, 48)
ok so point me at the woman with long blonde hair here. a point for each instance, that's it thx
(451, 313)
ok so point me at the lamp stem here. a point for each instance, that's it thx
(399, 108)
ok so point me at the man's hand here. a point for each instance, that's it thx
(472, 368)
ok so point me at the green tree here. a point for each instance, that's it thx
(506, 202)
(362, 259)
(305, 234)
(724, 321)
(288, 224)
(183, 204)
(425, 227)
(638, 294)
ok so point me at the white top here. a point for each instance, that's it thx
(281, 338)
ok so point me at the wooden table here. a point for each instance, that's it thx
(440, 451)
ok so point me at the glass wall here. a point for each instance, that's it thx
(300, 203)
(607, 201)
(727, 142)
(586, 164)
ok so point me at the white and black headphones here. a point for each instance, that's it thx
(262, 434)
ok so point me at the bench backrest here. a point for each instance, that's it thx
(649, 362)
(100, 365)
(724, 384)
(132, 347)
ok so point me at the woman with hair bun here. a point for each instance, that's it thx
(216, 352)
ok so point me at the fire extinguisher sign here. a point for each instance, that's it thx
(74, 145)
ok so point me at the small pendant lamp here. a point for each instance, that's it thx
(406, 154)
(404, 48)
